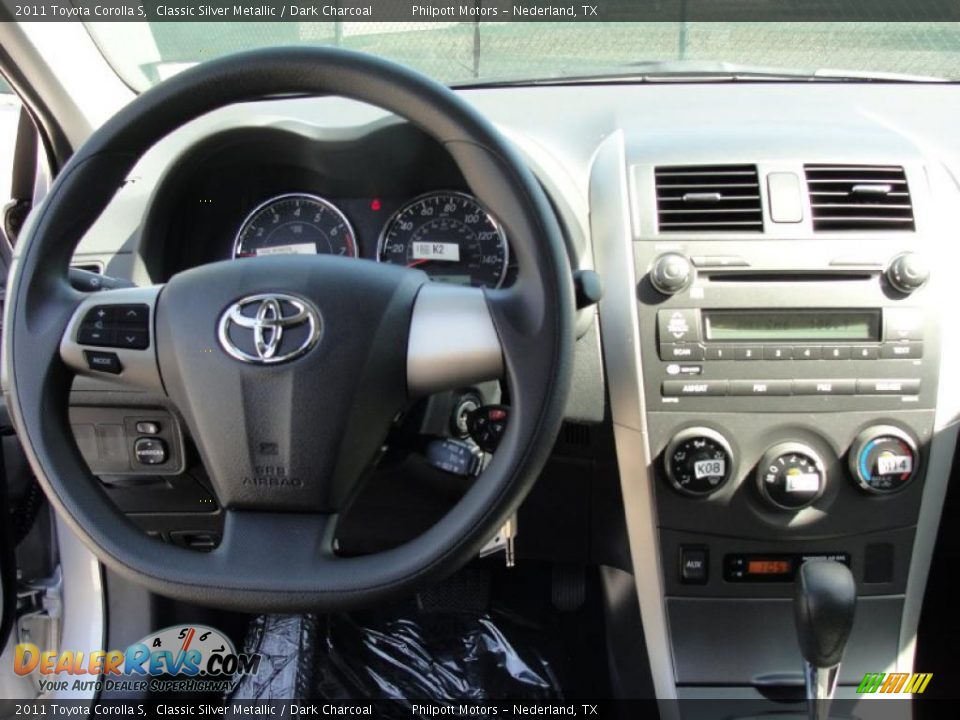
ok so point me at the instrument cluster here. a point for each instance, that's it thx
(448, 234)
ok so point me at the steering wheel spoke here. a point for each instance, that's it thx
(111, 337)
(254, 540)
(453, 342)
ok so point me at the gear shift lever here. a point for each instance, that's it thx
(824, 599)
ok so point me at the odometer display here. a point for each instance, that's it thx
(295, 224)
(450, 237)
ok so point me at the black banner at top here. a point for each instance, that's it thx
(482, 10)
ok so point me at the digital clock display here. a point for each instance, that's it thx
(769, 567)
(778, 325)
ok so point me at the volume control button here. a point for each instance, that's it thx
(671, 273)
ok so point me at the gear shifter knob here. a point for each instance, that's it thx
(824, 601)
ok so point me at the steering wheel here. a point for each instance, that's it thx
(288, 371)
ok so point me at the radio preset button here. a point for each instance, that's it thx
(749, 352)
(759, 387)
(678, 326)
(719, 352)
(824, 387)
(864, 352)
(901, 351)
(681, 352)
(806, 352)
(777, 352)
(683, 388)
(836, 352)
(888, 387)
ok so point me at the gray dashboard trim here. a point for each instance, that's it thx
(945, 193)
(620, 332)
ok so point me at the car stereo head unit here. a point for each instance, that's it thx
(790, 352)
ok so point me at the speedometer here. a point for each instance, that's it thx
(449, 236)
(295, 224)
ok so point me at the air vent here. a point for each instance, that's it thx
(859, 197)
(709, 198)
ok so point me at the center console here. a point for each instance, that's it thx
(784, 352)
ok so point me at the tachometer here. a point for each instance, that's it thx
(295, 224)
(449, 236)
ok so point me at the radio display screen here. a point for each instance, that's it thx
(787, 325)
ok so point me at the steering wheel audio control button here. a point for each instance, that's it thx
(107, 362)
(883, 459)
(791, 476)
(132, 339)
(120, 326)
(100, 316)
(150, 451)
(698, 461)
(92, 335)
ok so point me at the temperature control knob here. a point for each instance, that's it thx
(698, 461)
(907, 272)
(791, 475)
(671, 273)
(883, 459)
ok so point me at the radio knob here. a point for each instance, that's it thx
(883, 459)
(698, 461)
(791, 475)
(671, 273)
(907, 272)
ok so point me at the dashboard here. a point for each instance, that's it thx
(777, 341)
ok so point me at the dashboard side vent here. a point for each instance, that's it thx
(859, 197)
(708, 198)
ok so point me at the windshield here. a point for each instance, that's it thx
(472, 52)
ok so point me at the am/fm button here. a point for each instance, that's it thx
(682, 388)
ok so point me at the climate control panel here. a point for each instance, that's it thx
(792, 474)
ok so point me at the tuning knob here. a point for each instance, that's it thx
(883, 459)
(907, 272)
(671, 273)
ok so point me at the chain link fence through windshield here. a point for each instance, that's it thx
(470, 51)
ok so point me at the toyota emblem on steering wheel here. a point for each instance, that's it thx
(269, 328)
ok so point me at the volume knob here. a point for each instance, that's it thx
(908, 272)
(671, 273)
